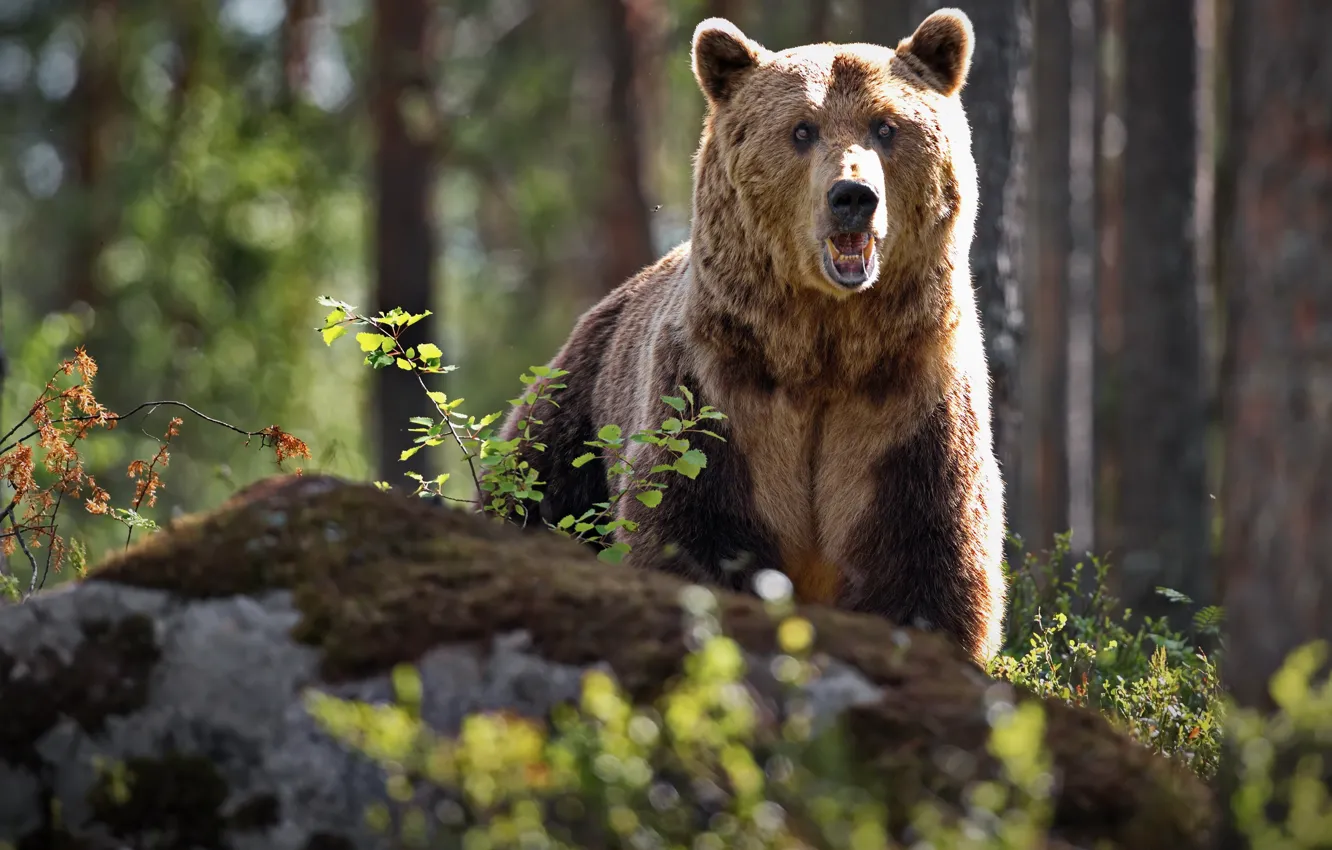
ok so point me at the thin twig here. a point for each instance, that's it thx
(46, 568)
(118, 417)
(152, 466)
(449, 421)
(23, 544)
(20, 424)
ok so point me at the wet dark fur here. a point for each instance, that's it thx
(857, 455)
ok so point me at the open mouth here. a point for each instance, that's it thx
(848, 259)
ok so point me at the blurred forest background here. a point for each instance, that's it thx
(180, 181)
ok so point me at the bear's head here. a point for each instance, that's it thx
(848, 164)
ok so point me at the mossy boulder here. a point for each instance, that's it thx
(183, 662)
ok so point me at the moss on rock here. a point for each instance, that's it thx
(380, 579)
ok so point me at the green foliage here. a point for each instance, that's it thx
(703, 766)
(1069, 641)
(504, 480)
(1281, 760)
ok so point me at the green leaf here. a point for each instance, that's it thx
(609, 433)
(691, 463)
(370, 341)
(684, 391)
(566, 522)
(613, 554)
(333, 333)
(409, 452)
(581, 460)
(404, 364)
(428, 351)
(386, 343)
(651, 498)
(677, 403)
(672, 425)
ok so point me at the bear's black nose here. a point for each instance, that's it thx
(852, 203)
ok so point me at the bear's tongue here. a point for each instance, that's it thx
(849, 251)
(850, 244)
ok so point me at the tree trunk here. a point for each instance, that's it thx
(404, 232)
(1082, 273)
(819, 23)
(627, 229)
(1277, 541)
(886, 22)
(731, 10)
(1108, 330)
(1154, 524)
(94, 99)
(296, 47)
(996, 101)
(779, 24)
(1043, 490)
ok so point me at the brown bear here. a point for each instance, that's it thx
(824, 304)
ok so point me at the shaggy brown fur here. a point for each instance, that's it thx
(858, 456)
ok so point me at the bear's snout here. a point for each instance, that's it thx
(852, 203)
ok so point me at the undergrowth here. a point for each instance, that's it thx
(705, 766)
(1066, 636)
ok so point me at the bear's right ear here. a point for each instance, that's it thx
(941, 46)
(723, 55)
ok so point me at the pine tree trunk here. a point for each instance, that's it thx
(295, 38)
(95, 99)
(1277, 539)
(404, 225)
(886, 22)
(627, 228)
(1044, 486)
(1153, 523)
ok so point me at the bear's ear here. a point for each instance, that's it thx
(723, 55)
(941, 47)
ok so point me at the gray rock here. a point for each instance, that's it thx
(163, 702)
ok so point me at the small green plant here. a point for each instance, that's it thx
(1281, 799)
(615, 451)
(504, 480)
(1153, 681)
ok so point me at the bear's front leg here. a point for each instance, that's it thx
(927, 553)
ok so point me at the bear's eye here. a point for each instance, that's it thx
(884, 132)
(804, 134)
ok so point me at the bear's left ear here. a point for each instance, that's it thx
(941, 46)
(723, 55)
